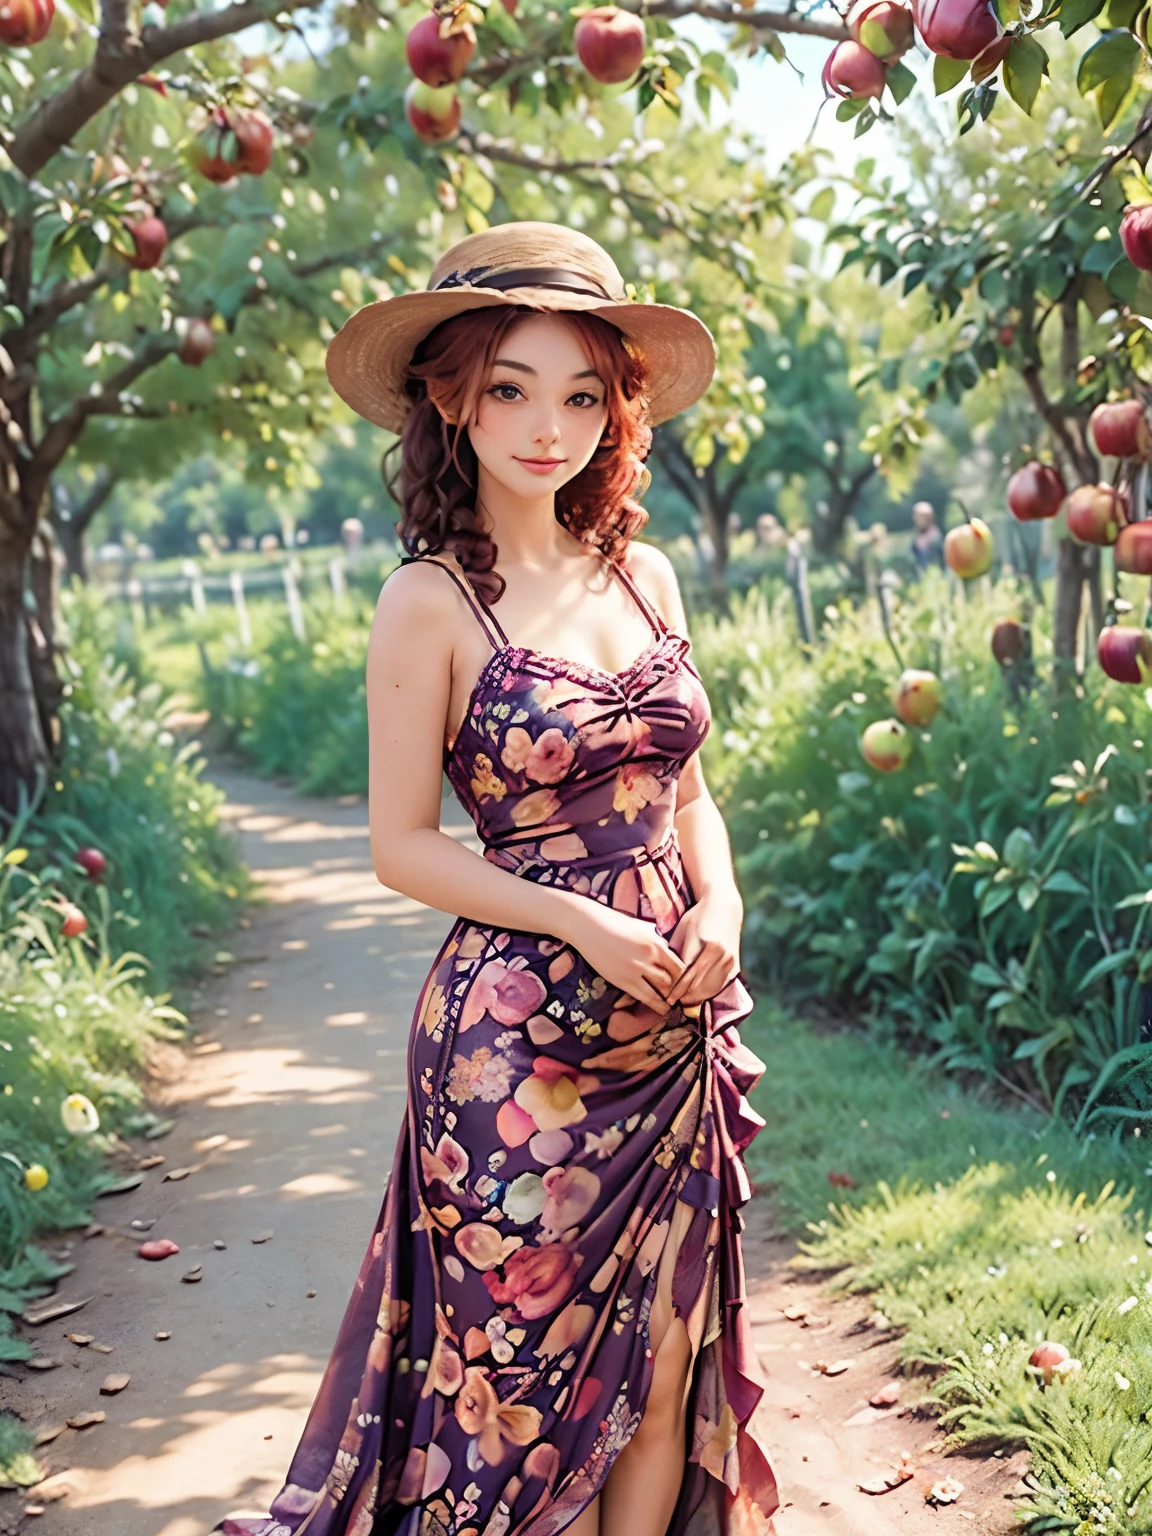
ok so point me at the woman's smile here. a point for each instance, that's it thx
(540, 466)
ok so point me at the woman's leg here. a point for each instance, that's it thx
(641, 1490)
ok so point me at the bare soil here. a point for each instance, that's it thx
(287, 1106)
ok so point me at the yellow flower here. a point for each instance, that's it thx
(35, 1176)
(485, 784)
(79, 1115)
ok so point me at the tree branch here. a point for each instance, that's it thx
(735, 15)
(56, 121)
(1083, 465)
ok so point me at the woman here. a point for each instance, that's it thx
(548, 1330)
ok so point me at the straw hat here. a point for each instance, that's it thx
(541, 266)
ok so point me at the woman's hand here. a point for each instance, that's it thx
(626, 951)
(707, 939)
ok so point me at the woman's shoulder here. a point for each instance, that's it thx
(653, 572)
(422, 593)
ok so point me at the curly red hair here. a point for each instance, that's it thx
(438, 466)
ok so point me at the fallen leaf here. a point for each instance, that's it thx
(114, 1383)
(841, 1180)
(888, 1393)
(49, 1433)
(832, 1367)
(122, 1186)
(54, 1309)
(163, 1334)
(158, 1248)
(887, 1483)
(210, 1143)
(795, 1314)
(174, 1175)
(161, 1128)
(945, 1491)
(870, 1416)
(154, 1161)
(101, 1349)
(86, 1420)
(42, 1363)
(144, 1226)
(194, 1275)
(95, 1230)
(257, 984)
(80, 1338)
(34, 1509)
(264, 1237)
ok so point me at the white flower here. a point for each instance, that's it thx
(1128, 1303)
(79, 1115)
(1121, 1381)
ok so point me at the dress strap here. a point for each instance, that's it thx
(483, 615)
(659, 628)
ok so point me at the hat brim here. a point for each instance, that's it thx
(368, 357)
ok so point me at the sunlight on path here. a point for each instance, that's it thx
(287, 1108)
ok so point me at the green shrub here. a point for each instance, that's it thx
(989, 902)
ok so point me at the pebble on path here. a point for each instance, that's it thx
(114, 1383)
(86, 1420)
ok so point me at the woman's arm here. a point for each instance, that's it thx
(707, 937)
(419, 618)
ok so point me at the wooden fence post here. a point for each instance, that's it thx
(292, 595)
(236, 582)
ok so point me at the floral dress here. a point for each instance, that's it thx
(494, 1357)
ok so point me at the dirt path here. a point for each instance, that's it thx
(287, 1108)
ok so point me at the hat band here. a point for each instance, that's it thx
(526, 277)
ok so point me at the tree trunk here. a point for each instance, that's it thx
(24, 751)
(1070, 574)
(714, 516)
(43, 563)
(70, 537)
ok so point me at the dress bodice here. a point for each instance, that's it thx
(563, 764)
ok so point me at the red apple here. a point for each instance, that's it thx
(957, 29)
(1120, 429)
(1136, 235)
(1009, 641)
(1133, 551)
(610, 44)
(968, 549)
(216, 153)
(432, 114)
(437, 59)
(92, 862)
(23, 22)
(197, 343)
(1125, 653)
(884, 27)
(1095, 514)
(149, 236)
(1048, 1359)
(510, 6)
(158, 1248)
(254, 136)
(918, 697)
(851, 70)
(886, 745)
(1035, 491)
(1006, 335)
(74, 922)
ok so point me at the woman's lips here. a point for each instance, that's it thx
(541, 466)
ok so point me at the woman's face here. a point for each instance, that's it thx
(541, 411)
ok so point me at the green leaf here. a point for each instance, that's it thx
(1123, 280)
(1112, 95)
(506, 27)
(851, 107)
(948, 73)
(1115, 51)
(1075, 14)
(822, 204)
(1121, 13)
(1025, 65)
(1028, 895)
(900, 81)
(866, 120)
(1105, 967)
(86, 10)
(985, 975)
(1062, 883)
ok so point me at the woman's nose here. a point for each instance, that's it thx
(546, 427)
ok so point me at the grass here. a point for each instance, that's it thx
(980, 1228)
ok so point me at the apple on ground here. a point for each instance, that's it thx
(968, 549)
(887, 745)
(1035, 491)
(918, 696)
(1095, 514)
(610, 44)
(433, 114)
(1125, 653)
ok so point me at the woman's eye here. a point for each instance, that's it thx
(505, 391)
(584, 399)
